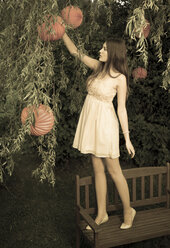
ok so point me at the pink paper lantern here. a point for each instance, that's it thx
(52, 29)
(72, 15)
(139, 72)
(44, 119)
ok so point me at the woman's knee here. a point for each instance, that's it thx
(113, 167)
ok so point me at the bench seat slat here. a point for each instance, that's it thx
(152, 225)
(114, 225)
(132, 238)
(145, 216)
(107, 236)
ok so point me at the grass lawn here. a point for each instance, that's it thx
(34, 215)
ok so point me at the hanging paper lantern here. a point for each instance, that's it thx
(72, 15)
(52, 29)
(139, 72)
(145, 30)
(44, 119)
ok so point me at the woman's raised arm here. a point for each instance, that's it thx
(90, 62)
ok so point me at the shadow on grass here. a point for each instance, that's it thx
(36, 215)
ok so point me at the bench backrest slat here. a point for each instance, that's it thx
(143, 187)
(159, 185)
(134, 189)
(151, 186)
(144, 171)
(168, 185)
(85, 180)
(87, 195)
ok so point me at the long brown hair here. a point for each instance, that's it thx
(117, 59)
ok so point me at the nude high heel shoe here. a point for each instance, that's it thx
(125, 226)
(105, 219)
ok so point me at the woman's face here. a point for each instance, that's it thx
(103, 53)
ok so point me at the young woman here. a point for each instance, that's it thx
(97, 131)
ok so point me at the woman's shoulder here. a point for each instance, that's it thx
(121, 82)
(121, 77)
(117, 78)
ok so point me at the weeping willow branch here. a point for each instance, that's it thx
(134, 24)
(166, 76)
(26, 73)
(137, 22)
(150, 4)
(46, 149)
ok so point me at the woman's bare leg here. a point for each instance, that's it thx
(101, 187)
(115, 171)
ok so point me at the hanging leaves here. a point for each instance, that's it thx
(34, 72)
(135, 25)
(137, 21)
(27, 70)
(166, 75)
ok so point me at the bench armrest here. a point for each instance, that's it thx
(83, 212)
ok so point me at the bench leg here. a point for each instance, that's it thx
(96, 240)
(77, 237)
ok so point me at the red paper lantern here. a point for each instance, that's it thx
(44, 119)
(72, 15)
(139, 72)
(52, 29)
(145, 30)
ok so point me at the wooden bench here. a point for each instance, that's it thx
(150, 195)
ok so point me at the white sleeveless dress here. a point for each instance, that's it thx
(98, 127)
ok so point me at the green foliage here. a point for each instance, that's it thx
(166, 75)
(34, 72)
(26, 72)
(156, 12)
